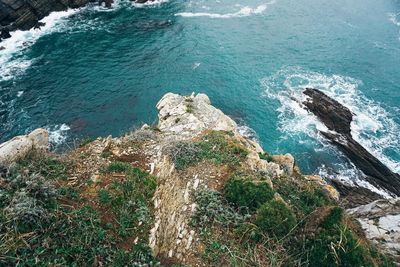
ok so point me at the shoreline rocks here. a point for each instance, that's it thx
(24, 15)
(20, 146)
(337, 118)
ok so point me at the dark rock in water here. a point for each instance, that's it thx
(5, 34)
(337, 119)
(25, 14)
(2, 47)
(39, 25)
(354, 196)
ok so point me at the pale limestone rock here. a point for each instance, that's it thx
(189, 116)
(381, 223)
(20, 146)
(286, 162)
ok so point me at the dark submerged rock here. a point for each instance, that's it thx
(5, 34)
(337, 119)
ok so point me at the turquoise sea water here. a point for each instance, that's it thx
(95, 72)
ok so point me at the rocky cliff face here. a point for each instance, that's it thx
(26, 14)
(194, 152)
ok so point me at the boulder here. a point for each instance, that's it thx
(191, 115)
(5, 34)
(381, 223)
(20, 146)
(337, 119)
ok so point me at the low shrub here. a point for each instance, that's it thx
(243, 192)
(275, 218)
(266, 156)
(215, 147)
(212, 208)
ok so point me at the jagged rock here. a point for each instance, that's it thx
(5, 34)
(337, 119)
(24, 15)
(381, 223)
(20, 146)
(286, 162)
(189, 116)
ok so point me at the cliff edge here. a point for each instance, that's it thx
(189, 191)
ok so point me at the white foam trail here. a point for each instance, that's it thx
(12, 61)
(394, 18)
(372, 125)
(58, 134)
(243, 12)
(357, 178)
(150, 3)
(248, 132)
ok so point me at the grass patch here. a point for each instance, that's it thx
(266, 156)
(38, 229)
(243, 192)
(274, 217)
(130, 199)
(216, 147)
(85, 141)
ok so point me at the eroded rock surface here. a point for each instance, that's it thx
(381, 223)
(20, 146)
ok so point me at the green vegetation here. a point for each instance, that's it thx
(87, 140)
(307, 230)
(243, 192)
(275, 218)
(266, 156)
(129, 200)
(38, 226)
(215, 147)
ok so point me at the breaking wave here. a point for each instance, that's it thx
(372, 126)
(243, 12)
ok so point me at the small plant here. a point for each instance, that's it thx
(85, 141)
(275, 218)
(211, 208)
(214, 147)
(266, 156)
(189, 108)
(105, 154)
(118, 166)
(104, 197)
(177, 120)
(243, 192)
(334, 218)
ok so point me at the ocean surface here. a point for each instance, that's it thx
(95, 71)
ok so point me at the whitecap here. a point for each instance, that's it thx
(12, 60)
(372, 126)
(150, 3)
(58, 134)
(243, 12)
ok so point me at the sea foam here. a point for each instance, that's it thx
(12, 59)
(372, 126)
(243, 12)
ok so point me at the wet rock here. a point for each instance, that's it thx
(381, 223)
(39, 25)
(24, 15)
(337, 119)
(5, 34)
(20, 146)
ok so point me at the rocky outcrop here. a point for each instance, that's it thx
(26, 14)
(189, 116)
(20, 146)
(381, 223)
(337, 119)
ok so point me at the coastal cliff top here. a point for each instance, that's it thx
(189, 191)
